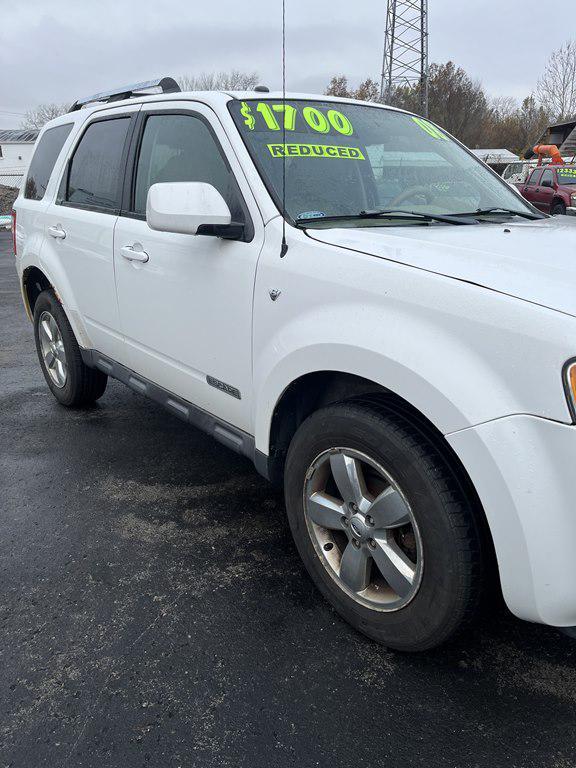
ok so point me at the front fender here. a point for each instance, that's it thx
(459, 353)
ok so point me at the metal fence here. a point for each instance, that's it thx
(10, 184)
(11, 179)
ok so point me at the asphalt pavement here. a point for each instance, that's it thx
(154, 612)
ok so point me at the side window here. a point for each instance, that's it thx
(547, 176)
(96, 168)
(182, 148)
(44, 160)
(535, 178)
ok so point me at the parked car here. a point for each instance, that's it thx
(552, 189)
(343, 293)
(518, 172)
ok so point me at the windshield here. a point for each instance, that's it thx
(566, 175)
(342, 159)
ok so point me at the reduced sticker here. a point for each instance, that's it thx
(315, 150)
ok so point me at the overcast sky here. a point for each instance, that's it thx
(59, 50)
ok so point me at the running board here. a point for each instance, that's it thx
(224, 433)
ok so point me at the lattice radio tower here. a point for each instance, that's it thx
(405, 61)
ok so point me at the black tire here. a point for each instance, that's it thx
(454, 543)
(558, 209)
(83, 385)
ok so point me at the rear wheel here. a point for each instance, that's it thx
(71, 381)
(383, 525)
(558, 209)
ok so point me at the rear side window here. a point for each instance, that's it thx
(96, 169)
(44, 160)
(182, 148)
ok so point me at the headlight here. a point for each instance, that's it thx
(570, 386)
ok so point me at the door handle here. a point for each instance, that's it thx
(57, 232)
(131, 254)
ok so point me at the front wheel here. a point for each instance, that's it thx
(384, 525)
(559, 209)
(71, 381)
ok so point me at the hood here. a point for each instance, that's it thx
(531, 260)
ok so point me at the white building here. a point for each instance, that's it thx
(16, 147)
(497, 159)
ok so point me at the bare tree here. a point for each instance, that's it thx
(219, 81)
(37, 117)
(368, 91)
(456, 102)
(339, 87)
(459, 103)
(503, 107)
(557, 86)
(515, 127)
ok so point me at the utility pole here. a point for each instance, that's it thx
(405, 60)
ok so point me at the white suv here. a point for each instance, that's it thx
(341, 292)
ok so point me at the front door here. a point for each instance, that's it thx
(546, 191)
(532, 189)
(186, 312)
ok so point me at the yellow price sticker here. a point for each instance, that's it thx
(315, 150)
(275, 116)
(430, 128)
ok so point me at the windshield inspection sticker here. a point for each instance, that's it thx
(429, 128)
(310, 215)
(315, 150)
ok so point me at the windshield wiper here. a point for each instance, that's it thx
(399, 213)
(498, 209)
(393, 214)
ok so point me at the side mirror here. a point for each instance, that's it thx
(187, 208)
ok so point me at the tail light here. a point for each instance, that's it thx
(14, 230)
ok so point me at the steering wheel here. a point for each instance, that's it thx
(408, 193)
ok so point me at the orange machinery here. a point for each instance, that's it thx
(551, 150)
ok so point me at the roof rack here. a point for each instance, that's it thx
(166, 85)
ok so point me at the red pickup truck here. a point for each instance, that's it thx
(552, 189)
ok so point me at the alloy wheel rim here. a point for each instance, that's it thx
(363, 529)
(52, 349)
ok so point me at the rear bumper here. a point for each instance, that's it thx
(523, 470)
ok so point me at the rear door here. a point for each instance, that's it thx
(33, 201)
(186, 312)
(80, 224)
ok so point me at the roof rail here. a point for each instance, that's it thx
(166, 84)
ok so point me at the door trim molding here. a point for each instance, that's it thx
(232, 437)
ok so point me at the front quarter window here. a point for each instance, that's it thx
(342, 159)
